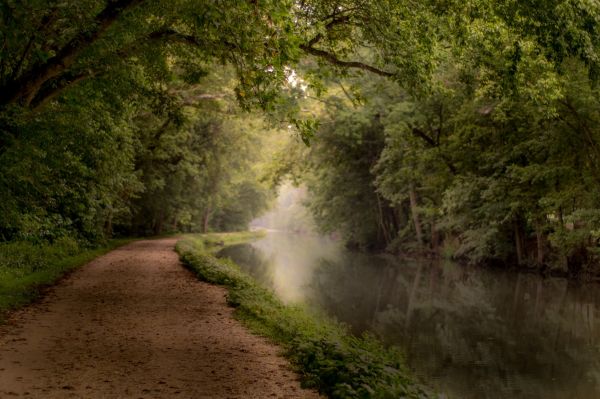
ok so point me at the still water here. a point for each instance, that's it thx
(470, 333)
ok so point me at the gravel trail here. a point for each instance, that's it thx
(135, 324)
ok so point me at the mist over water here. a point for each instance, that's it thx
(297, 250)
(288, 213)
(471, 333)
(286, 263)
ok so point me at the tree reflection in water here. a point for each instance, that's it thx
(472, 333)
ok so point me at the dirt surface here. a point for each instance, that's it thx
(135, 324)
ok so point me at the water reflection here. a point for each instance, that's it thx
(472, 333)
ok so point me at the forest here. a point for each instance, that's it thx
(462, 129)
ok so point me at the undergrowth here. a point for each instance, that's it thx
(329, 358)
(26, 268)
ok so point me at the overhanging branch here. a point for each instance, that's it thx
(332, 59)
(56, 86)
(51, 91)
(433, 144)
(337, 20)
(26, 88)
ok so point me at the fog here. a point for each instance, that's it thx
(472, 333)
(288, 213)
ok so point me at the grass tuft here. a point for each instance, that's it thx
(328, 357)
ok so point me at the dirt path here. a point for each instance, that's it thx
(135, 324)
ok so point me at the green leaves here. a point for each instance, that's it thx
(109, 114)
(306, 129)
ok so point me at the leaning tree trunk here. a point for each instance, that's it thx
(415, 212)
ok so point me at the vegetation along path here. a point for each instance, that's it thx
(135, 324)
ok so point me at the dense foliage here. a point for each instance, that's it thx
(462, 127)
(493, 160)
(108, 121)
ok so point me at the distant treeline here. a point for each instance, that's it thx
(469, 170)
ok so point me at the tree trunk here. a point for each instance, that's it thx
(382, 225)
(206, 220)
(540, 246)
(158, 225)
(561, 217)
(435, 237)
(108, 225)
(518, 242)
(415, 212)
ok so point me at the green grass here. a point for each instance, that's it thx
(27, 268)
(327, 356)
(215, 241)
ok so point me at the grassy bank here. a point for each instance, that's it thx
(214, 241)
(329, 358)
(27, 268)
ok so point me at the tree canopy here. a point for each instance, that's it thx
(460, 127)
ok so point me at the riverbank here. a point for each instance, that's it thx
(329, 358)
(548, 269)
(27, 269)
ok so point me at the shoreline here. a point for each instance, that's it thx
(329, 358)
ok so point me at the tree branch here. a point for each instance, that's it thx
(421, 134)
(44, 23)
(51, 91)
(336, 21)
(431, 142)
(54, 87)
(166, 34)
(26, 88)
(171, 34)
(583, 125)
(195, 99)
(332, 59)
